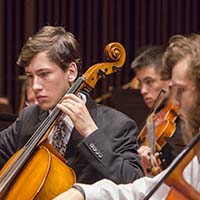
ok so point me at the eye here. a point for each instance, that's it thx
(180, 90)
(43, 74)
(149, 81)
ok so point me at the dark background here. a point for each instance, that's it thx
(134, 23)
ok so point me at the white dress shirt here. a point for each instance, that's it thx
(107, 190)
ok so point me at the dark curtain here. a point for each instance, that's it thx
(134, 23)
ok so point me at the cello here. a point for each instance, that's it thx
(24, 176)
(173, 175)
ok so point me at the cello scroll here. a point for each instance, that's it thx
(115, 56)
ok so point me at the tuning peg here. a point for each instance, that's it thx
(116, 68)
(102, 73)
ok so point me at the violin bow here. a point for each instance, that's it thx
(150, 123)
(151, 136)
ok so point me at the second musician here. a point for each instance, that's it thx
(148, 66)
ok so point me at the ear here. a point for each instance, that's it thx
(72, 72)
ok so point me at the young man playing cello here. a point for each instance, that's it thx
(182, 59)
(99, 142)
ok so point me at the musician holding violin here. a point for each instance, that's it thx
(166, 136)
(96, 141)
(182, 66)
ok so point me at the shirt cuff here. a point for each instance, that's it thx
(80, 189)
(91, 192)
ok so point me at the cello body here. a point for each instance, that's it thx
(44, 176)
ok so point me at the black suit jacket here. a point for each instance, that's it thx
(109, 152)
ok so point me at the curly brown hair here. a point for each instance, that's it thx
(179, 48)
(186, 47)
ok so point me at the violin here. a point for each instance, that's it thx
(49, 178)
(158, 126)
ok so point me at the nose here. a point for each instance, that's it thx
(36, 84)
(143, 90)
(176, 102)
(177, 99)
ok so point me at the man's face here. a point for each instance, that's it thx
(48, 81)
(184, 88)
(150, 84)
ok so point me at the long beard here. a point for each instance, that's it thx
(191, 126)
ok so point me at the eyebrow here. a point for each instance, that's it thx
(148, 77)
(37, 71)
(178, 84)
